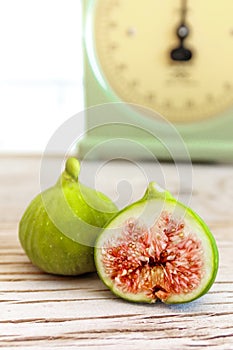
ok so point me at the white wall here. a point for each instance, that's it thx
(40, 71)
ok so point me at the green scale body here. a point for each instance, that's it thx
(158, 58)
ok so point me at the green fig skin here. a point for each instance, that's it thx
(155, 193)
(60, 225)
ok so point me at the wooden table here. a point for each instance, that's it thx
(38, 310)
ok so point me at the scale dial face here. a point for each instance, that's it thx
(173, 56)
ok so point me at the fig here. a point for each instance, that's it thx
(157, 249)
(59, 227)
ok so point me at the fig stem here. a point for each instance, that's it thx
(155, 191)
(73, 167)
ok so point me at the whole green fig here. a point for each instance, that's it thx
(59, 228)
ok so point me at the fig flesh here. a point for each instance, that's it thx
(157, 248)
(60, 226)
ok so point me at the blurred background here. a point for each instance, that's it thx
(41, 76)
(40, 71)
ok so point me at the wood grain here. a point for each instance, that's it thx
(38, 310)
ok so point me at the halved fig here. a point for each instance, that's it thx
(157, 248)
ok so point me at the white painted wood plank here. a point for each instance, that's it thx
(38, 310)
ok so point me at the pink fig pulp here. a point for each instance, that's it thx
(157, 249)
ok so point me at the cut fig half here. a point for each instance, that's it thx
(157, 248)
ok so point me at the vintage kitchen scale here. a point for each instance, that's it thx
(174, 57)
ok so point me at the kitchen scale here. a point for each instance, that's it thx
(152, 58)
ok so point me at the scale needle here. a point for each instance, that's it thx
(181, 53)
